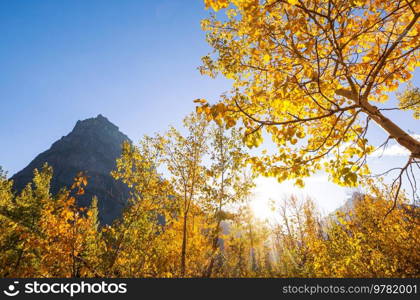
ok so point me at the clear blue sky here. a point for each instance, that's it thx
(134, 61)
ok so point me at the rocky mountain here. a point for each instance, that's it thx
(92, 146)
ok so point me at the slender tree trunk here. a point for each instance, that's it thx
(215, 244)
(184, 245)
(253, 258)
(209, 270)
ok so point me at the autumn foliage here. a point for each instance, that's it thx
(312, 75)
(174, 227)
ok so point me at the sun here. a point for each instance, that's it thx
(261, 208)
(266, 192)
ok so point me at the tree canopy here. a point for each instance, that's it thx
(313, 75)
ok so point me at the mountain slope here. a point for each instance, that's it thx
(92, 146)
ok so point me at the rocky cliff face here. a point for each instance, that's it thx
(93, 146)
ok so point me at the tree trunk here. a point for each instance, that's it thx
(215, 244)
(184, 245)
(402, 137)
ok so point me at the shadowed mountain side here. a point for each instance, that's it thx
(93, 147)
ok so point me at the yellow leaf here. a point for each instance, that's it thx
(202, 101)
(299, 182)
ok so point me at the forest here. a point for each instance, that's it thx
(310, 77)
(197, 222)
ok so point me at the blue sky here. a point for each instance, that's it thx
(133, 61)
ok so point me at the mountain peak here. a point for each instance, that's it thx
(92, 146)
(98, 128)
(100, 122)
